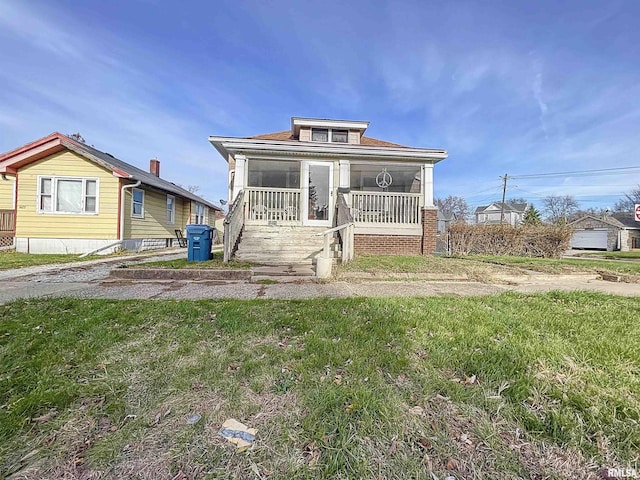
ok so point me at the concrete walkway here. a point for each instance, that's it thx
(91, 280)
(214, 290)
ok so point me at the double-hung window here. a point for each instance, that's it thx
(199, 214)
(171, 209)
(137, 203)
(332, 135)
(71, 195)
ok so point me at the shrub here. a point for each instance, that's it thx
(549, 241)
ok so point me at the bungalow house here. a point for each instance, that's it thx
(492, 213)
(619, 231)
(58, 195)
(287, 188)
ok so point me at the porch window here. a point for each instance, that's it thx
(273, 174)
(71, 195)
(398, 178)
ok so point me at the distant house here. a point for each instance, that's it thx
(58, 195)
(444, 220)
(287, 187)
(490, 214)
(619, 231)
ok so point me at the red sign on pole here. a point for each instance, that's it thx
(637, 210)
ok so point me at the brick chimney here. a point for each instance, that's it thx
(154, 166)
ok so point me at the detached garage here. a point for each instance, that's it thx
(615, 232)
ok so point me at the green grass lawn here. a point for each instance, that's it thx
(510, 386)
(11, 259)
(634, 254)
(382, 264)
(215, 263)
(563, 265)
(483, 267)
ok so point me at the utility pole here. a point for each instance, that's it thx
(504, 193)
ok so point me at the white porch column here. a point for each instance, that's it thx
(427, 181)
(238, 180)
(345, 178)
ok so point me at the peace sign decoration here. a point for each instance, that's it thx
(384, 179)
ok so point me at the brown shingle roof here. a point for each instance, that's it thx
(374, 142)
(286, 137)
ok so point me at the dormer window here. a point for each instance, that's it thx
(319, 135)
(329, 135)
(340, 136)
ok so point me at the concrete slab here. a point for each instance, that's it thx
(194, 274)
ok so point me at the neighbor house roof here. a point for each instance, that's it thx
(618, 220)
(516, 207)
(626, 219)
(11, 161)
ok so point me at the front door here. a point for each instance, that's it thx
(317, 198)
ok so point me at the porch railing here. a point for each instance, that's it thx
(233, 225)
(7, 227)
(7, 222)
(270, 204)
(385, 207)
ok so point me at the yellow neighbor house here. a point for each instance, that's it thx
(58, 195)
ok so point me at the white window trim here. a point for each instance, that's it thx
(204, 213)
(330, 135)
(141, 215)
(54, 193)
(173, 210)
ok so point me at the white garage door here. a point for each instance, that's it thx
(589, 239)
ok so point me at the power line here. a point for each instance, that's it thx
(580, 173)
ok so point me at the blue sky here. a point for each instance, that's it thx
(515, 87)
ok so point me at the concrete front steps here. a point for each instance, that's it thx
(278, 245)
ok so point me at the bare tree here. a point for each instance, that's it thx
(193, 188)
(593, 211)
(453, 205)
(559, 208)
(627, 204)
(77, 137)
(516, 201)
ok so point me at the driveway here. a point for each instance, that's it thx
(91, 280)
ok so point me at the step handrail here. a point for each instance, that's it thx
(347, 250)
(233, 225)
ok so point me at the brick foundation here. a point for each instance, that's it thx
(388, 244)
(424, 244)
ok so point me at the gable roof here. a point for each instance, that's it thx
(618, 220)
(516, 207)
(13, 160)
(626, 219)
(286, 136)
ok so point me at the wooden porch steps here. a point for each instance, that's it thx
(282, 244)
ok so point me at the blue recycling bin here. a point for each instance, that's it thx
(199, 241)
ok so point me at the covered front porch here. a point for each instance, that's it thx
(381, 197)
(361, 206)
